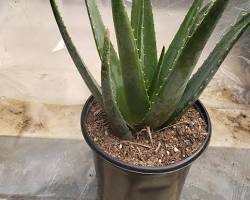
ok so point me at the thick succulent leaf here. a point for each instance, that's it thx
(149, 43)
(87, 77)
(98, 29)
(117, 123)
(201, 16)
(161, 58)
(206, 72)
(97, 25)
(142, 23)
(137, 14)
(155, 80)
(174, 86)
(177, 46)
(134, 85)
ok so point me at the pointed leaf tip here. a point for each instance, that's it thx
(98, 29)
(116, 120)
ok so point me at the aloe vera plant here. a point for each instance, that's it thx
(138, 89)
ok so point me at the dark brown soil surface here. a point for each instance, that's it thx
(166, 146)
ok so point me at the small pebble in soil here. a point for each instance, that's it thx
(175, 149)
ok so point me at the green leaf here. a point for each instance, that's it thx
(98, 30)
(161, 58)
(176, 47)
(201, 16)
(137, 18)
(117, 123)
(142, 23)
(97, 25)
(174, 86)
(134, 85)
(207, 71)
(87, 77)
(149, 43)
(155, 80)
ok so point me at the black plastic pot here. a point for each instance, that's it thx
(120, 181)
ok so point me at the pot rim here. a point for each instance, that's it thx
(141, 169)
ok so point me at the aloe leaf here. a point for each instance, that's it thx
(177, 45)
(161, 58)
(205, 73)
(155, 80)
(149, 43)
(174, 86)
(86, 75)
(201, 16)
(98, 30)
(134, 85)
(96, 23)
(137, 14)
(117, 123)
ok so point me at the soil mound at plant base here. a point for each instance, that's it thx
(150, 148)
